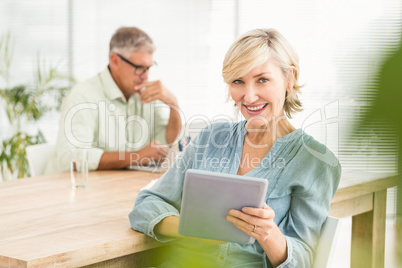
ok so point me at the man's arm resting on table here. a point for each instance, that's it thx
(114, 160)
(153, 152)
(174, 124)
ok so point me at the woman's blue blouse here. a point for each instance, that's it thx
(303, 176)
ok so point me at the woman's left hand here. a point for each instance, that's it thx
(256, 222)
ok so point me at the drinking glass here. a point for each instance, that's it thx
(79, 168)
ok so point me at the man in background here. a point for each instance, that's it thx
(120, 116)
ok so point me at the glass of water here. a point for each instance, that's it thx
(79, 168)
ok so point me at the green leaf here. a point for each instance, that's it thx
(27, 103)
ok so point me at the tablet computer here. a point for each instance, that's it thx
(158, 167)
(153, 167)
(208, 197)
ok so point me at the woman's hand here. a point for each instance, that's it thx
(256, 222)
(169, 226)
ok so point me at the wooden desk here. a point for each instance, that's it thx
(363, 195)
(44, 223)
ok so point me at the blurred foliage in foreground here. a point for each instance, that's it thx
(387, 108)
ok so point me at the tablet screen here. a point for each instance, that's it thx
(208, 197)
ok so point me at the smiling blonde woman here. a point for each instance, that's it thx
(261, 70)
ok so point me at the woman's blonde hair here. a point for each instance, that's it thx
(253, 49)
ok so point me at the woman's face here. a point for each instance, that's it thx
(260, 94)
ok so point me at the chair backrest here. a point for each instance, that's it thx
(38, 155)
(326, 243)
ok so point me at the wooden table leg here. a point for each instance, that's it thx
(368, 235)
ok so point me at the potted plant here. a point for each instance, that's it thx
(25, 105)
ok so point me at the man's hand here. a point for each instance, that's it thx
(155, 90)
(153, 152)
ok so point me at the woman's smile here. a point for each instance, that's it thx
(255, 109)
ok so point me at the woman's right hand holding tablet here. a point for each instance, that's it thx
(169, 226)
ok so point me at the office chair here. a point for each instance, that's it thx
(38, 156)
(326, 243)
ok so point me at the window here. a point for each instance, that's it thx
(340, 44)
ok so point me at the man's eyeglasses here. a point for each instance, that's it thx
(139, 69)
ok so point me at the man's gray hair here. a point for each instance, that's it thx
(130, 39)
